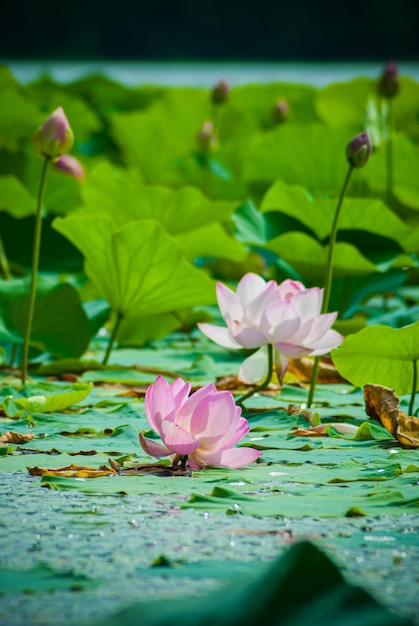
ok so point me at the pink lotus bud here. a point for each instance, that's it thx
(206, 138)
(388, 84)
(358, 150)
(70, 165)
(55, 137)
(280, 111)
(220, 93)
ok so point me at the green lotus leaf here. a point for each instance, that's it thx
(211, 241)
(258, 102)
(345, 104)
(15, 407)
(309, 258)
(311, 155)
(60, 325)
(368, 214)
(115, 194)
(380, 355)
(15, 198)
(138, 269)
(405, 176)
(19, 116)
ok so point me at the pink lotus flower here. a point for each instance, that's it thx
(55, 137)
(70, 165)
(201, 428)
(286, 316)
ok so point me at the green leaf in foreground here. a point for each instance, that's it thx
(138, 269)
(14, 407)
(299, 588)
(381, 355)
(41, 578)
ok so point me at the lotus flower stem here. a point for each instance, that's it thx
(112, 338)
(4, 263)
(265, 383)
(35, 263)
(389, 146)
(182, 459)
(332, 242)
(328, 278)
(415, 384)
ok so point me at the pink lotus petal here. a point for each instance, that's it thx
(234, 458)
(185, 412)
(180, 391)
(215, 419)
(281, 365)
(256, 308)
(280, 321)
(246, 336)
(177, 439)
(254, 369)
(316, 328)
(159, 404)
(289, 288)
(308, 303)
(71, 166)
(228, 440)
(229, 304)
(249, 287)
(220, 335)
(153, 448)
(291, 351)
(330, 340)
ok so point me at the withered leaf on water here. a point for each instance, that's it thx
(12, 437)
(72, 471)
(382, 404)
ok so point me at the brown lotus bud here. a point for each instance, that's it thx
(358, 150)
(280, 111)
(220, 92)
(388, 84)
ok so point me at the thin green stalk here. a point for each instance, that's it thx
(13, 355)
(35, 263)
(265, 383)
(313, 381)
(389, 146)
(4, 263)
(114, 333)
(328, 278)
(415, 384)
(332, 242)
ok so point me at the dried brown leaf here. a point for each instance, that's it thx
(382, 404)
(12, 437)
(72, 471)
(301, 370)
